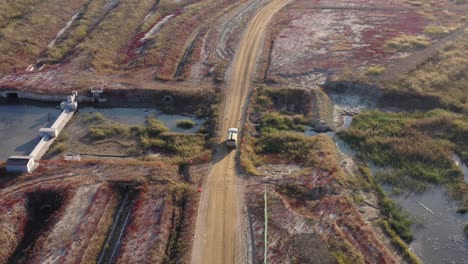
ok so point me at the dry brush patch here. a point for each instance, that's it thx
(442, 76)
(13, 222)
(75, 229)
(105, 47)
(11, 11)
(161, 219)
(415, 148)
(24, 39)
(326, 37)
(169, 45)
(152, 211)
(88, 19)
(309, 190)
(316, 202)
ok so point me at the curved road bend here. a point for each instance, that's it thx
(219, 211)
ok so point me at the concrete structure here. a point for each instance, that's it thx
(51, 132)
(27, 164)
(42, 97)
(98, 94)
(72, 156)
(20, 164)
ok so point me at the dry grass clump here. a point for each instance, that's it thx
(375, 70)
(167, 48)
(164, 8)
(416, 149)
(185, 124)
(100, 233)
(417, 152)
(438, 31)
(11, 11)
(443, 75)
(408, 42)
(27, 34)
(88, 19)
(107, 43)
(60, 145)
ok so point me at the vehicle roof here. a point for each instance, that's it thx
(232, 129)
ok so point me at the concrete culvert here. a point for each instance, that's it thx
(167, 99)
(12, 97)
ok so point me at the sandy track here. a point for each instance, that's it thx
(219, 212)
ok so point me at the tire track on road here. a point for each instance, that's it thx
(219, 212)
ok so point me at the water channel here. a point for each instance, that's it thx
(20, 123)
(19, 127)
(439, 237)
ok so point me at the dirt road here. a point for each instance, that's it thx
(217, 231)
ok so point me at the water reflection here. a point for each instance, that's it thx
(137, 116)
(19, 127)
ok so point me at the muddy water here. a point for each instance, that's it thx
(342, 146)
(19, 127)
(440, 238)
(137, 116)
(347, 119)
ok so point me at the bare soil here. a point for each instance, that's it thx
(77, 230)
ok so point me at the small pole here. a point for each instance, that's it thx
(266, 228)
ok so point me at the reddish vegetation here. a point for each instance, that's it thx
(326, 36)
(69, 238)
(152, 211)
(14, 219)
(340, 220)
(77, 230)
(322, 208)
(178, 38)
(136, 43)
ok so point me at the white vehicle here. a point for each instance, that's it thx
(231, 141)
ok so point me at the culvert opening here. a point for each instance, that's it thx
(40, 207)
(167, 99)
(12, 97)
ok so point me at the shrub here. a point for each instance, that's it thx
(58, 148)
(397, 220)
(437, 31)
(419, 153)
(155, 127)
(400, 244)
(104, 131)
(185, 124)
(441, 76)
(94, 117)
(408, 42)
(292, 146)
(273, 121)
(375, 70)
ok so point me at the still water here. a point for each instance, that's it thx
(137, 116)
(19, 127)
